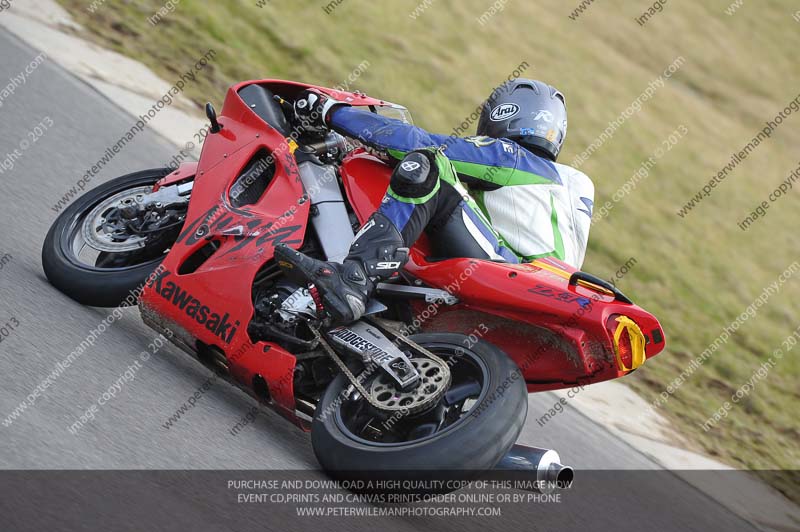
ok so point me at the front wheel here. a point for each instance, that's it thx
(107, 242)
(469, 430)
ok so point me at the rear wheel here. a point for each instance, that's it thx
(467, 431)
(108, 241)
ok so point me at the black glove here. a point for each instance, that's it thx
(312, 110)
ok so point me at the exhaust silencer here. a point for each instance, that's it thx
(544, 463)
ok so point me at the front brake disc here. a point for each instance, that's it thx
(99, 236)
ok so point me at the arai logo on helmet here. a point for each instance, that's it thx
(410, 166)
(504, 112)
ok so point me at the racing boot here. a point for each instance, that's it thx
(342, 290)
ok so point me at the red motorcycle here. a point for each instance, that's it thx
(435, 376)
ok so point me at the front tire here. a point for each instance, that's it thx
(474, 443)
(92, 284)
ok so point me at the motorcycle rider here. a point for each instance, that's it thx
(520, 205)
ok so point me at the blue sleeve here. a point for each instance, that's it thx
(380, 132)
(483, 158)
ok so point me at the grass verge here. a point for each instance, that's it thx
(696, 273)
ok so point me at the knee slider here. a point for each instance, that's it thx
(415, 176)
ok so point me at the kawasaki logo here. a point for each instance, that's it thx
(194, 308)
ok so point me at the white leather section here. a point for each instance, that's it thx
(484, 242)
(523, 215)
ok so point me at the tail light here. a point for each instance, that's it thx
(628, 341)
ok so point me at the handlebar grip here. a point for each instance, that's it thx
(331, 142)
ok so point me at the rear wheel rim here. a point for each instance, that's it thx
(352, 413)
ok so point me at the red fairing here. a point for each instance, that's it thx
(556, 333)
(559, 335)
(213, 304)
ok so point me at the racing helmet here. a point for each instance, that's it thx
(527, 111)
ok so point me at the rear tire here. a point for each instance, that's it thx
(97, 287)
(473, 444)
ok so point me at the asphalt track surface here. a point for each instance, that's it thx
(128, 432)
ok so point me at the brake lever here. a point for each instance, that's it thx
(286, 105)
(291, 115)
